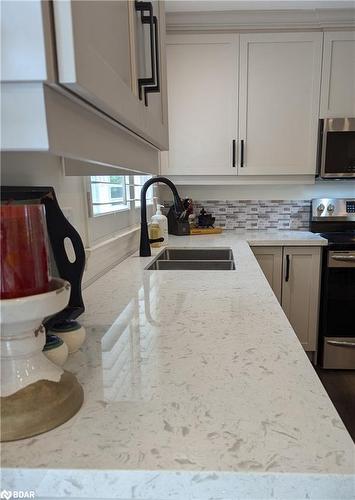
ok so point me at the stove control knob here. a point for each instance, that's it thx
(321, 208)
(330, 208)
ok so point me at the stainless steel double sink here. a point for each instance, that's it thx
(194, 259)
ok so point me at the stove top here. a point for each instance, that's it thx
(334, 219)
(340, 238)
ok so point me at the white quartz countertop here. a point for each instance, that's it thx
(278, 237)
(196, 387)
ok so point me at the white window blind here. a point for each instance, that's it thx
(138, 181)
(108, 194)
(115, 193)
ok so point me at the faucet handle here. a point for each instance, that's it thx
(156, 240)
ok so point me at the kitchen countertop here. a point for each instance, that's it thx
(278, 237)
(196, 387)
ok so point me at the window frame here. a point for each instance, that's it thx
(131, 203)
(102, 227)
(124, 208)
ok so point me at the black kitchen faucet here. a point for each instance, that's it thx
(144, 248)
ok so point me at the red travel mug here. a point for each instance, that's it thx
(24, 251)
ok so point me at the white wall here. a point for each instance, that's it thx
(331, 189)
(43, 169)
(105, 243)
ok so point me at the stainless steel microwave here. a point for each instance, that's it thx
(337, 148)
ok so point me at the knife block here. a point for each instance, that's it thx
(176, 227)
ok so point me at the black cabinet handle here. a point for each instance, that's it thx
(287, 275)
(156, 87)
(143, 7)
(233, 154)
(242, 153)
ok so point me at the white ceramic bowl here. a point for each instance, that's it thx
(22, 337)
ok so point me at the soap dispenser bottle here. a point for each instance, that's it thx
(154, 234)
(162, 221)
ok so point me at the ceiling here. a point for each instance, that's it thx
(225, 5)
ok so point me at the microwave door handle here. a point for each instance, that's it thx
(320, 148)
(323, 149)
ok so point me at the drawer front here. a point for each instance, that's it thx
(339, 353)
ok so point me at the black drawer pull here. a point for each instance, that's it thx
(287, 276)
(242, 153)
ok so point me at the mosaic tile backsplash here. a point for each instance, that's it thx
(258, 214)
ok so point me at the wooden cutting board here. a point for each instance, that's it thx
(206, 230)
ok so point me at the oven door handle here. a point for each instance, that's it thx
(341, 343)
(343, 257)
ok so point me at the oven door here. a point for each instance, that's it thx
(339, 310)
(339, 353)
(338, 148)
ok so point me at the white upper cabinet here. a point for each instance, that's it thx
(279, 102)
(90, 55)
(23, 55)
(202, 96)
(157, 100)
(338, 75)
(96, 51)
(261, 90)
(69, 80)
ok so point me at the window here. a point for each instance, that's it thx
(138, 181)
(108, 194)
(114, 205)
(116, 193)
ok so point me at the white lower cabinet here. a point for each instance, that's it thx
(270, 261)
(294, 275)
(300, 292)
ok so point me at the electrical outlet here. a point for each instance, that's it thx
(68, 213)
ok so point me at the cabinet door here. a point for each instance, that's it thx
(270, 261)
(157, 101)
(300, 292)
(94, 49)
(338, 75)
(279, 102)
(202, 98)
(22, 42)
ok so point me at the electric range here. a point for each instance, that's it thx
(334, 219)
